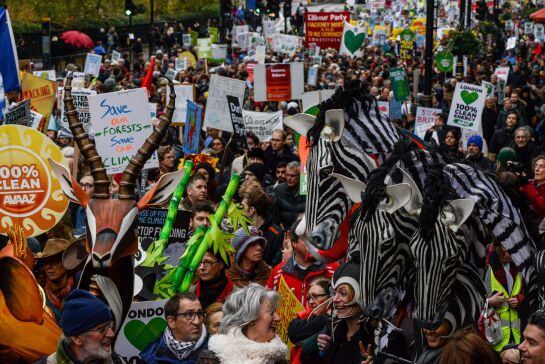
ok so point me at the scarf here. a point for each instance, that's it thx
(182, 349)
(208, 292)
(56, 293)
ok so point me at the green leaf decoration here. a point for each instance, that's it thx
(219, 240)
(237, 218)
(154, 254)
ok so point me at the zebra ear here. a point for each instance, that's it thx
(301, 123)
(416, 200)
(334, 125)
(353, 187)
(456, 212)
(300, 229)
(398, 196)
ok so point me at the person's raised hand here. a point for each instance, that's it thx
(366, 354)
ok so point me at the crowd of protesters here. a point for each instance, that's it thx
(229, 315)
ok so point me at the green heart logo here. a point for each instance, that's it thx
(469, 97)
(489, 89)
(353, 41)
(140, 334)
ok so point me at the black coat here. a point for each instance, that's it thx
(501, 139)
(289, 203)
(272, 158)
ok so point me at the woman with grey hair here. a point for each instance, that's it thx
(247, 331)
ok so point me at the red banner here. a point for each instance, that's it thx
(325, 29)
(278, 78)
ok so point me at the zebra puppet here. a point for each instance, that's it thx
(349, 140)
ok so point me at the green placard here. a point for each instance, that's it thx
(214, 34)
(407, 35)
(400, 84)
(444, 61)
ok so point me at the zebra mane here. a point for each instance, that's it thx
(346, 98)
(436, 193)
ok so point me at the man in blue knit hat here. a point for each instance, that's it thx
(88, 332)
(475, 155)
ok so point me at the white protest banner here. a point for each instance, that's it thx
(217, 110)
(116, 56)
(92, 64)
(502, 73)
(19, 114)
(352, 40)
(121, 123)
(490, 88)
(144, 323)
(539, 31)
(509, 25)
(311, 99)
(528, 27)
(254, 40)
(183, 93)
(279, 82)
(78, 80)
(181, 64)
(269, 28)
(425, 119)
(384, 107)
(50, 75)
(467, 106)
(81, 103)
(260, 54)
(219, 52)
(262, 124)
(511, 43)
(312, 78)
(283, 43)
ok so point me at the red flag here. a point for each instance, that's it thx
(149, 75)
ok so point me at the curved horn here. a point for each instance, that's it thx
(127, 185)
(86, 147)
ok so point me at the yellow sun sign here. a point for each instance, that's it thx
(30, 194)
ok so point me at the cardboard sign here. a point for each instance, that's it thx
(425, 119)
(287, 309)
(352, 40)
(539, 31)
(325, 29)
(490, 88)
(528, 27)
(384, 107)
(30, 194)
(171, 74)
(279, 82)
(41, 93)
(121, 122)
(192, 128)
(81, 103)
(269, 28)
(181, 64)
(219, 52)
(204, 49)
(217, 111)
(116, 56)
(262, 124)
(19, 114)
(183, 93)
(502, 73)
(50, 75)
(78, 79)
(467, 106)
(144, 323)
(92, 64)
(400, 84)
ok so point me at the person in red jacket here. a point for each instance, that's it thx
(535, 190)
(300, 269)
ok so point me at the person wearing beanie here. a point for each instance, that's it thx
(475, 156)
(248, 266)
(255, 172)
(88, 332)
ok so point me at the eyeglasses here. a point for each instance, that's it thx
(190, 315)
(208, 263)
(315, 297)
(104, 329)
(277, 140)
(87, 186)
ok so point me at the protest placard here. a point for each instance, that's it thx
(204, 50)
(171, 74)
(406, 46)
(121, 123)
(312, 78)
(213, 32)
(282, 43)
(260, 54)
(502, 73)
(237, 123)
(116, 56)
(217, 111)
(186, 40)
(501, 91)
(444, 61)
(511, 43)
(92, 64)
(37, 120)
(425, 119)
(467, 106)
(81, 103)
(490, 88)
(262, 124)
(269, 28)
(144, 323)
(509, 25)
(191, 60)
(192, 128)
(352, 40)
(539, 31)
(218, 52)
(279, 82)
(181, 64)
(325, 29)
(30, 194)
(287, 310)
(384, 107)
(311, 99)
(379, 36)
(41, 93)
(183, 93)
(19, 114)
(395, 108)
(528, 27)
(400, 84)
(50, 75)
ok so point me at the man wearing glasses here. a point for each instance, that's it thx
(88, 332)
(213, 284)
(185, 335)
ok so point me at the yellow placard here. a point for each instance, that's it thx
(41, 93)
(30, 194)
(287, 310)
(191, 61)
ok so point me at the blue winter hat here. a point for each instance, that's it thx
(242, 241)
(477, 140)
(82, 311)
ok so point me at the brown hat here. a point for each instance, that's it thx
(53, 247)
(75, 254)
